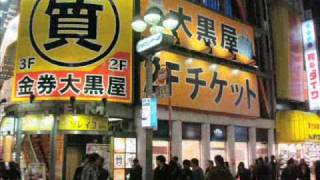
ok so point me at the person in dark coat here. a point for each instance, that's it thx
(290, 172)
(135, 171)
(263, 171)
(162, 170)
(197, 172)
(220, 171)
(174, 169)
(78, 172)
(274, 167)
(304, 170)
(186, 173)
(243, 173)
(13, 173)
(102, 173)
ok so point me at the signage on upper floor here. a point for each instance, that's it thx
(74, 48)
(203, 30)
(312, 65)
(196, 84)
(297, 126)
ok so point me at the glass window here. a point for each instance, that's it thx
(218, 148)
(218, 133)
(160, 148)
(241, 153)
(241, 134)
(163, 130)
(190, 149)
(191, 131)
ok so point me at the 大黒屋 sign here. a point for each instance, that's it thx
(74, 48)
(203, 30)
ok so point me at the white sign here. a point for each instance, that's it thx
(149, 113)
(149, 42)
(311, 59)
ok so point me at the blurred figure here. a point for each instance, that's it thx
(262, 170)
(220, 171)
(304, 170)
(317, 170)
(243, 173)
(186, 173)
(162, 170)
(13, 173)
(89, 171)
(274, 168)
(102, 173)
(78, 172)
(174, 170)
(197, 172)
(135, 171)
(209, 167)
(3, 171)
(289, 173)
(176, 160)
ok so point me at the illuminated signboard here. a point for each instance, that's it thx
(311, 59)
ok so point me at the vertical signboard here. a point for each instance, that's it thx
(149, 113)
(312, 67)
(74, 48)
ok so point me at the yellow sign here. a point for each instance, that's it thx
(37, 122)
(199, 85)
(297, 126)
(203, 30)
(74, 48)
(82, 123)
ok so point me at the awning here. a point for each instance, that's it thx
(297, 126)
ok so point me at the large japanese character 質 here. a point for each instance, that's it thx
(218, 82)
(196, 82)
(73, 20)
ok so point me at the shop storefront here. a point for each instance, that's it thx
(218, 144)
(262, 143)
(161, 142)
(298, 136)
(241, 145)
(191, 139)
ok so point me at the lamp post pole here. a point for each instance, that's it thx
(149, 132)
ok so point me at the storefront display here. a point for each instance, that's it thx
(261, 143)
(241, 146)
(160, 147)
(191, 137)
(124, 151)
(218, 141)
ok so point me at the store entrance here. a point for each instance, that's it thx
(73, 160)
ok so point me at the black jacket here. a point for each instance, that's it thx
(161, 174)
(136, 173)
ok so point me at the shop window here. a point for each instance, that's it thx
(191, 135)
(163, 130)
(218, 141)
(160, 147)
(241, 145)
(262, 143)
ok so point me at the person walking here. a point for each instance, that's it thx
(274, 168)
(197, 172)
(135, 171)
(174, 170)
(162, 170)
(13, 173)
(304, 170)
(102, 173)
(220, 171)
(186, 173)
(263, 172)
(290, 172)
(243, 173)
(89, 171)
(78, 172)
(209, 167)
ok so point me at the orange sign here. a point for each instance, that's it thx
(196, 84)
(203, 30)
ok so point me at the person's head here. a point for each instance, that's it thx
(161, 160)
(209, 164)
(302, 162)
(291, 163)
(194, 162)
(135, 161)
(92, 158)
(175, 158)
(241, 166)
(260, 161)
(186, 164)
(219, 160)
(100, 162)
(266, 159)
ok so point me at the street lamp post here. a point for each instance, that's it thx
(158, 23)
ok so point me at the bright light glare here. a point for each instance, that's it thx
(139, 25)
